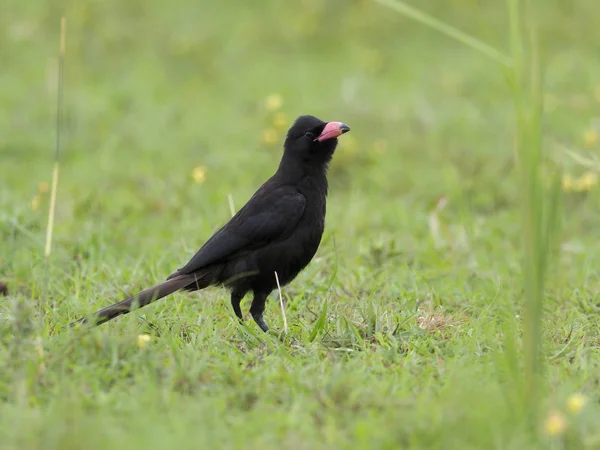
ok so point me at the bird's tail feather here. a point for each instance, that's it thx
(144, 298)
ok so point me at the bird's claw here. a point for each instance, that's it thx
(258, 318)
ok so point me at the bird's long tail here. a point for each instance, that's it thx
(144, 298)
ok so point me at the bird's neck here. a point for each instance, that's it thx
(294, 170)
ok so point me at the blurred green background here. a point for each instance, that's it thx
(171, 109)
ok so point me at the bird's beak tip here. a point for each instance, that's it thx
(332, 130)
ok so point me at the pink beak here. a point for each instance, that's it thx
(332, 130)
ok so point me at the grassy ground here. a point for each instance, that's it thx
(173, 107)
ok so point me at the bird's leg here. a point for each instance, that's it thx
(236, 299)
(258, 308)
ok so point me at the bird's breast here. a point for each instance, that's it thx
(291, 255)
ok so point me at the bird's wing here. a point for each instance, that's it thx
(269, 216)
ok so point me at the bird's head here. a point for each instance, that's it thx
(313, 140)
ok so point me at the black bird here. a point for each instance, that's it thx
(278, 230)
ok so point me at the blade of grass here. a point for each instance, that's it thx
(448, 30)
(285, 324)
(355, 333)
(52, 209)
(320, 324)
(539, 209)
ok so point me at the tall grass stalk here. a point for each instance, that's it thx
(444, 28)
(539, 207)
(52, 209)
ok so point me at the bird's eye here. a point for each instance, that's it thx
(309, 134)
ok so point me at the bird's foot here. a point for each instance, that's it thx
(237, 310)
(258, 318)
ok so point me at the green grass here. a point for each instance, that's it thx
(400, 336)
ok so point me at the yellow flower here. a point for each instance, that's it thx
(280, 121)
(274, 102)
(142, 340)
(555, 424)
(567, 183)
(575, 403)
(35, 203)
(587, 181)
(590, 138)
(43, 187)
(269, 136)
(199, 174)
